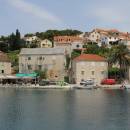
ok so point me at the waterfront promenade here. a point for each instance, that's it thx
(69, 86)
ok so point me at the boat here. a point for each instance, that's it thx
(126, 86)
(87, 84)
(84, 87)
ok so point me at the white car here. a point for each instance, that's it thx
(87, 82)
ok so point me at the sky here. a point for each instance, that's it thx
(30, 16)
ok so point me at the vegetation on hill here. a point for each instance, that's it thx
(12, 42)
(14, 57)
(120, 55)
(49, 34)
(15, 42)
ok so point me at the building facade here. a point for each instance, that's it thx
(45, 44)
(89, 66)
(5, 64)
(31, 39)
(50, 59)
(68, 43)
(107, 37)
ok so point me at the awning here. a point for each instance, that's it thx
(26, 75)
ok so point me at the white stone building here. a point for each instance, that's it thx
(89, 66)
(104, 37)
(50, 59)
(5, 64)
(31, 39)
(45, 44)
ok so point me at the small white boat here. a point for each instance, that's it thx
(87, 84)
(85, 87)
(126, 86)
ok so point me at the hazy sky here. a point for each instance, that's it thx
(40, 15)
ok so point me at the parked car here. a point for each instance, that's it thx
(108, 81)
(87, 82)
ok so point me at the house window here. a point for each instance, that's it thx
(40, 58)
(2, 71)
(39, 67)
(29, 58)
(93, 72)
(82, 72)
(43, 45)
(29, 67)
(77, 46)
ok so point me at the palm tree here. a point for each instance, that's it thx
(120, 55)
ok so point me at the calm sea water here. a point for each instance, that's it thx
(29, 109)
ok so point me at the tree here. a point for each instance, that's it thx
(75, 54)
(3, 47)
(49, 34)
(104, 51)
(42, 73)
(114, 72)
(119, 55)
(92, 49)
(68, 61)
(15, 41)
(11, 42)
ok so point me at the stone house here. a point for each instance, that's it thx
(68, 43)
(5, 64)
(104, 36)
(30, 39)
(95, 36)
(45, 44)
(50, 59)
(89, 66)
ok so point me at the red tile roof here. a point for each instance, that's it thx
(106, 30)
(67, 39)
(90, 57)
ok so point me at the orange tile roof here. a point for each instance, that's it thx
(90, 57)
(106, 30)
(67, 39)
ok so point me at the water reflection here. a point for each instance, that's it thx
(22, 109)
